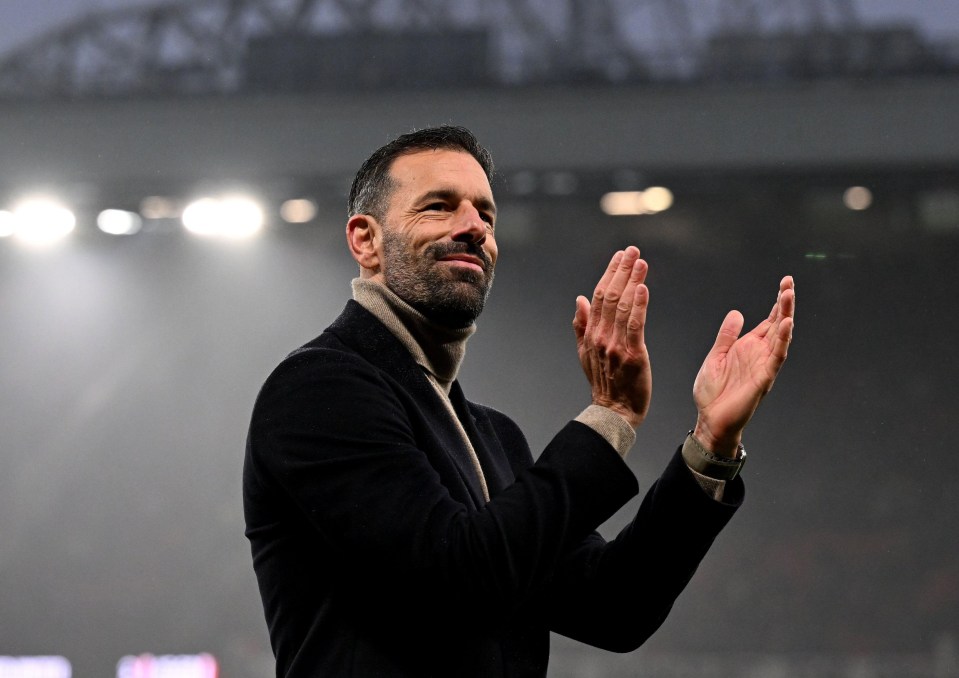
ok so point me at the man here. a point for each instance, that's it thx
(398, 529)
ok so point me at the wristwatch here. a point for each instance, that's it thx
(711, 465)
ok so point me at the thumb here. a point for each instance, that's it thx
(580, 317)
(728, 332)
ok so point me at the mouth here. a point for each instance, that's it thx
(465, 261)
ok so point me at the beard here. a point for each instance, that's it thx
(449, 296)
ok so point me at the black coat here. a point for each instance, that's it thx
(374, 551)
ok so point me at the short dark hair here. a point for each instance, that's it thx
(373, 185)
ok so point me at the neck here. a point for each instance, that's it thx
(438, 349)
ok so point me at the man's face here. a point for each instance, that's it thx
(438, 245)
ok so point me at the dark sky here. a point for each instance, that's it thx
(24, 20)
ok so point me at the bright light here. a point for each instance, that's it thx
(119, 222)
(242, 217)
(202, 217)
(7, 224)
(299, 211)
(35, 667)
(231, 217)
(657, 199)
(621, 203)
(168, 666)
(857, 198)
(653, 199)
(41, 221)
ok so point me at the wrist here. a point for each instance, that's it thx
(726, 445)
(631, 417)
(705, 463)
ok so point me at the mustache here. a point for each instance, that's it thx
(438, 250)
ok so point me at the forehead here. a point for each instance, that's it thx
(432, 169)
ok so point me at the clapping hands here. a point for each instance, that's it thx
(737, 372)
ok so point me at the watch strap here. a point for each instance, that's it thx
(708, 464)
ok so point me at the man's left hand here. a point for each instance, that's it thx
(739, 371)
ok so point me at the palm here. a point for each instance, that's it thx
(739, 371)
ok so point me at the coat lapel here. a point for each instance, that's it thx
(364, 333)
(485, 442)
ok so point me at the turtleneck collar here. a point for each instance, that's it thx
(438, 349)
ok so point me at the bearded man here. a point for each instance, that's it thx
(400, 530)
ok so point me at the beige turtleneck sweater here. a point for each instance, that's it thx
(440, 350)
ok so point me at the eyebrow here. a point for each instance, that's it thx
(450, 195)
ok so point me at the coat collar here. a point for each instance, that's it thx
(367, 336)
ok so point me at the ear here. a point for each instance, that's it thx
(363, 238)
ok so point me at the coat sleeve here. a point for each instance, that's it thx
(615, 594)
(331, 436)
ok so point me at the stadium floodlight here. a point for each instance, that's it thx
(202, 665)
(201, 217)
(298, 211)
(243, 217)
(622, 203)
(42, 221)
(31, 667)
(857, 198)
(657, 198)
(119, 222)
(233, 217)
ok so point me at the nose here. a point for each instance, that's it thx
(469, 226)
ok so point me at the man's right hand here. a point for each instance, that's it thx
(610, 338)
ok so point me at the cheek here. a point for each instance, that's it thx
(412, 241)
(491, 249)
(423, 236)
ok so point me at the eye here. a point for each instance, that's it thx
(435, 207)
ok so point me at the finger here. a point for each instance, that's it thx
(728, 332)
(785, 284)
(787, 304)
(636, 323)
(783, 332)
(580, 318)
(600, 291)
(644, 270)
(617, 286)
(785, 307)
(780, 345)
(626, 303)
(782, 308)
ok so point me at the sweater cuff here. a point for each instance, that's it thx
(610, 426)
(714, 487)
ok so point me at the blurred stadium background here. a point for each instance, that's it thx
(173, 179)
